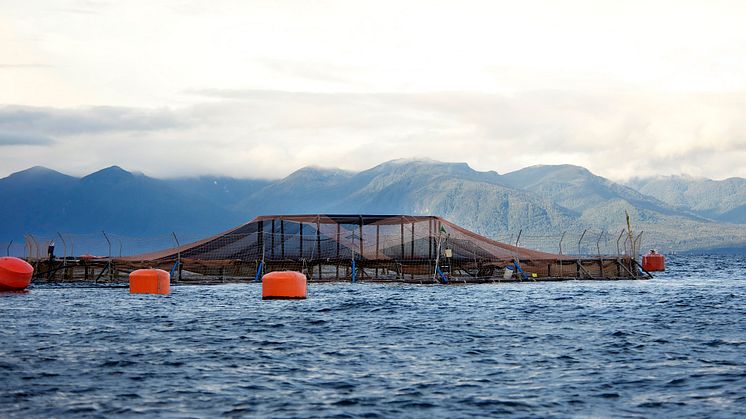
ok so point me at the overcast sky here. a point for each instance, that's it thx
(262, 88)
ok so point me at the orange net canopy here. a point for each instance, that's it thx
(347, 237)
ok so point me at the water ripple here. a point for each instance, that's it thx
(673, 346)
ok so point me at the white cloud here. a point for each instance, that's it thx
(269, 134)
(183, 87)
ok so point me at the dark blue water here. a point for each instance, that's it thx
(673, 346)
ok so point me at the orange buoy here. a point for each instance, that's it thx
(150, 281)
(15, 274)
(654, 262)
(284, 285)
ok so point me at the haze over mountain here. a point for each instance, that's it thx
(721, 200)
(539, 200)
(43, 201)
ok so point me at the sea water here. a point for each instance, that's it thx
(671, 346)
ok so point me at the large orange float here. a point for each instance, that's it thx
(15, 274)
(284, 285)
(150, 281)
(654, 262)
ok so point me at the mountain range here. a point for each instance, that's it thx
(723, 201)
(676, 213)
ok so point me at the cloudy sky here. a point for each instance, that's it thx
(262, 88)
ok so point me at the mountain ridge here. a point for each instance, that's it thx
(537, 200)
(719, 200)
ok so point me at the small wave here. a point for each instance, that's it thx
(548, 350)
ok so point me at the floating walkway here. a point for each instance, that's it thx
(364, 248)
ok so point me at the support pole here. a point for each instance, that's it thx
(64, 255)
(598, 251)
(107, 241)
(108, 265)
(282, 238)
(362, 267)
(430, 240)
(621, 265)
(318, 243)
(650, 276)
(402, 238)
(561, 263)
(361, 237)
(437, 258)
(339, 233)
(64, 248)
(353, 268)
(638, 245)
(378, 243)
(34, 247)
(258, 275)
(38, 253)
(631, 237)
(272, 243)
(261, 262)
(178, 254)
(411, 251)
(260, 238)
(585, 271)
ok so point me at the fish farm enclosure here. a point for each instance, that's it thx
(372, 248)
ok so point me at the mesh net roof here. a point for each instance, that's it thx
(338, 236)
